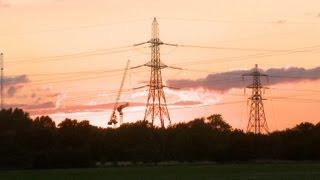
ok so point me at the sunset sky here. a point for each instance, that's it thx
(59, 57)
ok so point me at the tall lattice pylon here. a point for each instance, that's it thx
(257, 119)
(156, 107)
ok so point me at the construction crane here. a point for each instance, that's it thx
(118, 108)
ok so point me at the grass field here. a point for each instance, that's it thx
(188, 172)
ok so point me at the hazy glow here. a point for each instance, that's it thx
(40, 28)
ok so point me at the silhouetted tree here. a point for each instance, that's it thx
(217, 123)
(39, 143)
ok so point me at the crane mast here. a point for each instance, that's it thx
(116, 107)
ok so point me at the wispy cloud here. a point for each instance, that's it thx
(12, 80)
(44, 105)
(8, 3)
(4, 4)
(12, 90)
(12, 84)
(41, 109)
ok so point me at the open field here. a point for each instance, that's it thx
(227, 171)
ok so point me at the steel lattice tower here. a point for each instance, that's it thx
(257, 119)
(156, 107)
(2, 79)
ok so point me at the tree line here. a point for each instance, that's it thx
(40, 143)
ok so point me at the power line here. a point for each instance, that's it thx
(230, 48)
(299, 100)
(73, 78)
(250, 56)
(206, 105)
(300, 90)
(76, 55)
(73, 73)
(244, 21)
(57, 29)
(133, 47)
(295, 77)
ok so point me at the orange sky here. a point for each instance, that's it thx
(32, 30)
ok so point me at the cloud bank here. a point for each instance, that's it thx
(225, 81)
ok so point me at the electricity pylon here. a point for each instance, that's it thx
(2, 79)
(257, 119)
(156, 107)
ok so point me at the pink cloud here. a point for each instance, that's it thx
(224, 81)
(4, 4)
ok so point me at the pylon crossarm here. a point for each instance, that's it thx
(173, 67)
(161, 86)
(170, 87)
(160, 66)
(155, 43)
(140, 87)
(135, 67)
(170, 44)
(139, 44)
(155, 87)
(254, 86)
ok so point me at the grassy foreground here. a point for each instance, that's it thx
(198, 172)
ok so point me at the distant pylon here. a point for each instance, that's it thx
(257, 119)
(1, 88)
(156, 107)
